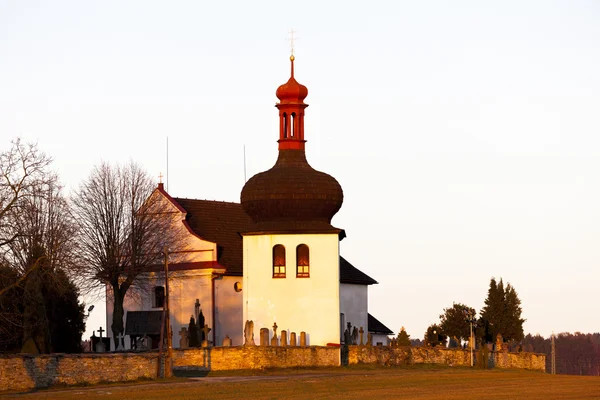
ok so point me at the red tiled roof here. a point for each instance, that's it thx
(221, 223)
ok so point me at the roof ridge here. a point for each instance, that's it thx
(213, 201)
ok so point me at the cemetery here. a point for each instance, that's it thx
(24, 372)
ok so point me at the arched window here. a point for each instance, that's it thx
(278, 261)
(302, 261)
(285, 126)
(159, 296)
(293, 125)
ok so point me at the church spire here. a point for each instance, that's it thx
(291, 112)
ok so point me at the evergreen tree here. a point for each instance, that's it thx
(35, 318)
(513, 329)
(11, 311)
(193, 333)
(201, 321)
(493, 312)
(65, 314)
(403, 338)
(501, 314)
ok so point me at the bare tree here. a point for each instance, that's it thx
(123, 230)
(23, 175)
(37, 243)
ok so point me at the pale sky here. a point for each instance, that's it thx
(465, 134)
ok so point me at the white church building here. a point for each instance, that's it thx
(272, 258)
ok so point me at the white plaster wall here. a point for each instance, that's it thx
(187, 246)
(310, 304)
(184, 288)
(354, 306)
(383, 339)
(228, 313)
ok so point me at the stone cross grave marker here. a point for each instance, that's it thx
(205, 330)
(348, 334)
(274, 340)
(100, 347)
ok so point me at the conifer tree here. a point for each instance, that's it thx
(501, 313)
(193, 332)
(514, 322)
(403, 338)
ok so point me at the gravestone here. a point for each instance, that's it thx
(264, 336)
(183, 340)
(227, 341)
(361, 331)
(145, 343)
(369, 339)
(274, 340)
(293, 339)
(302, 339)
(284, 338)
(249, 334)
(205, 332)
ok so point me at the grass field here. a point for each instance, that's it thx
(426, 382)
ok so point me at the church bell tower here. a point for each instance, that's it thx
(291, 257)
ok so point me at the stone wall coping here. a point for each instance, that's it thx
(152, 354)
(441, 349)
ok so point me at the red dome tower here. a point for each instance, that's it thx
(292, 196)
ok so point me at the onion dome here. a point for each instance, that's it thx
(292, 196)
(292, 91)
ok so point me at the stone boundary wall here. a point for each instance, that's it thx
(405, 355)
(255, 357)
(535, 361)
(26, 372)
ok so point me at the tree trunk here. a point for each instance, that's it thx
(117, 326)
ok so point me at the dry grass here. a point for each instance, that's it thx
(351, 383)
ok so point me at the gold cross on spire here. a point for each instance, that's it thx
(292, 32)
(160, 176)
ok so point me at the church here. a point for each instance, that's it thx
(273, 259)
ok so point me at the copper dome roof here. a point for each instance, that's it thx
(292, 196)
